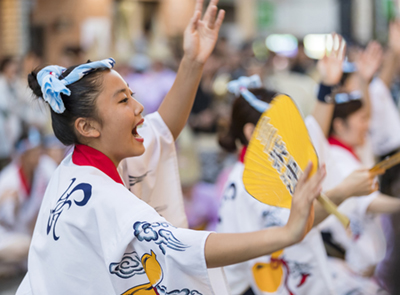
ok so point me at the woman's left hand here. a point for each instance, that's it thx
(202, 33)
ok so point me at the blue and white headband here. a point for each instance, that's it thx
(346, 97)
(52, 87)
(241, 87)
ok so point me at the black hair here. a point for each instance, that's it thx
(81, 103)
(344, 110)
(5, 62)
(242, 113)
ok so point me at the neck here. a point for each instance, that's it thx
(344, 141)
(105, 152)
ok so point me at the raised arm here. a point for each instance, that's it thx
(368, 64)
(392, 56)
(330, 67)
(226, 249)
(199, 40)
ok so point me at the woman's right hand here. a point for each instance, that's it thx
(307, 190)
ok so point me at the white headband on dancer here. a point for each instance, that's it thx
(346, 97)
(241, 87)
(52, 87)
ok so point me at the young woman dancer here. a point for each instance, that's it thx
(92, 235)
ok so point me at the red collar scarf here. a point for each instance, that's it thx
(25, 184)
(242, 154)
(86, 156)
(334, 141)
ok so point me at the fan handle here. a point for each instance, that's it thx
(331, 208)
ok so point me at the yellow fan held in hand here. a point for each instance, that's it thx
(386, 164)
(278, 152)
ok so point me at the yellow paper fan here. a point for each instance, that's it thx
(278, 152)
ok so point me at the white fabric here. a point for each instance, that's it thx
(306, 261)
(92, 234)
(367, 249)
(348, 282)
(154, 176)
(154, 173)
(18, 213)
(385, 119)
(323, 150)
(369, 246)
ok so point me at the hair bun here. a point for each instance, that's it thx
(34, 84)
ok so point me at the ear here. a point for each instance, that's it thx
(339, 126)
(248, 130)
(88, 128)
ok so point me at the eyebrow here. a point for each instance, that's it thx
(119, 91)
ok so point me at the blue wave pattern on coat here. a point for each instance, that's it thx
(158, 232)
(129, 266)
(64, 201)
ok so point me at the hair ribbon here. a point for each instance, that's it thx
(52, 87)
(241, 87)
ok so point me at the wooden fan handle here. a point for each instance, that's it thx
(331, 208)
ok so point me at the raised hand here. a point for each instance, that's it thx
(202, 33)
(330, 67)
(369, 61)
(307, 190)
(359, 183)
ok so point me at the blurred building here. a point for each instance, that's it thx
(56, 29)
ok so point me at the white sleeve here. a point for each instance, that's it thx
(139, 246)
(385, 119)
(172, 259)
(154, 173)
(318, 139)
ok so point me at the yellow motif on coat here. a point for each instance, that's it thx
(154, 273)
(269, 276)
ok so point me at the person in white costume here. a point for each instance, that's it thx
(93, 236)
(22, 186)
(301, 268)
(347, 130)
(385, 135)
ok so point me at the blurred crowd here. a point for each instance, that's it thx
(29, 152)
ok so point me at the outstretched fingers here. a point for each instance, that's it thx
(220, 19)
(199, 6)
(211, 11)
(194, 21)
(306, 173)
(315, 183)
(311, 185)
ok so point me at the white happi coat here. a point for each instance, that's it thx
(153, 174)
(385, 119)
(93, 236)
(300, 269)
(367, 246)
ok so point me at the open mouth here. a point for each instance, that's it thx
(134, 131)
